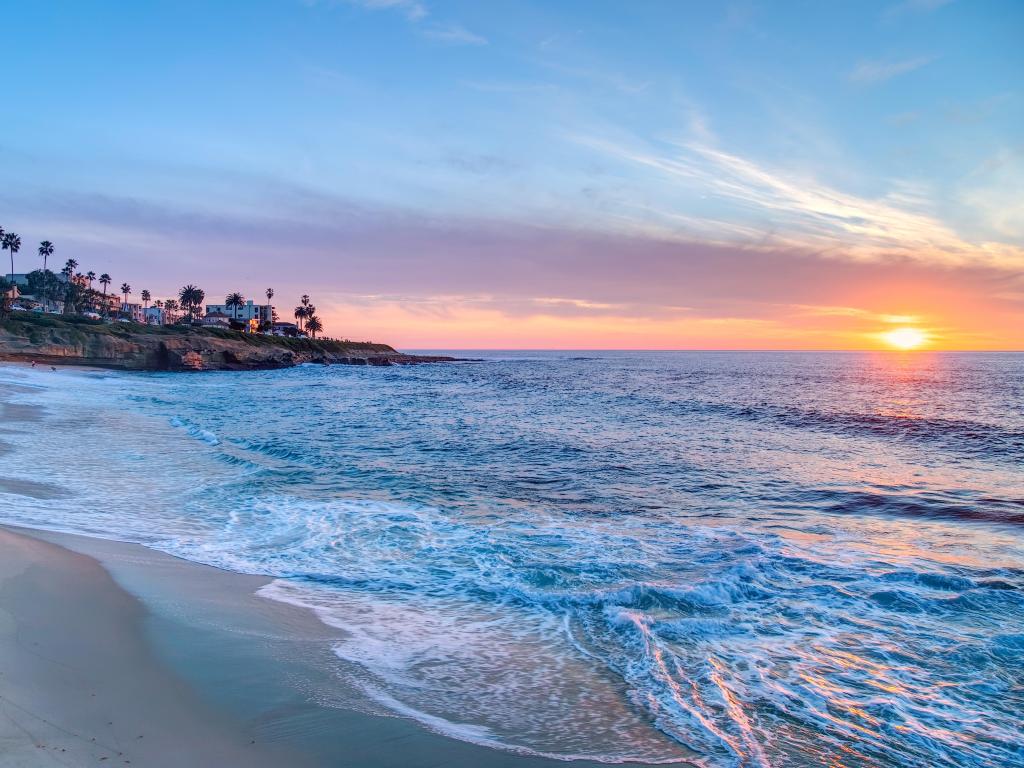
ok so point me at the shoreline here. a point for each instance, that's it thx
(116, 653)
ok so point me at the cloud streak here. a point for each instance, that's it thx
(418, 14)
(877, 71)
(813, 215)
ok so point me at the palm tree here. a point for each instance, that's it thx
(11, 242)
(236, 301)
(105, 281)
(300, 313)
(146, 296)
(125, 289)
(314, 326)
(270, 309)
(90, 276)
(46, 250)
(170, 307)
(69, 269)
(191, 297)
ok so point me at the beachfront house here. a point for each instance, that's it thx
(285, 329)
(19, 279)
(133, 312)
(215, 320)
(154, 316)
(260, 313)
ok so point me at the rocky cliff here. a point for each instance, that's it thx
(56, 341)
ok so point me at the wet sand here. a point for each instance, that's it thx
(113, 654)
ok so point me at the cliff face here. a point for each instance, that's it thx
(128, 347)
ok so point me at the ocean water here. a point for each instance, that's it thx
(730, 559)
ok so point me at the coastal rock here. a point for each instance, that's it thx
(143, 348)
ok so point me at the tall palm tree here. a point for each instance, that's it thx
(46, 250)
(270, 309)
(170, 307)
(69, 269)
(105, 281)
(300, 314)
(236, 301)
(126, 289)
(191, 297)
(314, 326)
(90, 276)
(146, 296)
(11, 242)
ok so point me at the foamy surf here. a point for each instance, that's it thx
(630, 558)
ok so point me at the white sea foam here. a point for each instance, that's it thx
(597, 596)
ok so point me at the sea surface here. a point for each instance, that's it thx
(735, 559)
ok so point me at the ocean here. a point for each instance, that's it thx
(737, 559)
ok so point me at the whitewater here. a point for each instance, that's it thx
(726, 559)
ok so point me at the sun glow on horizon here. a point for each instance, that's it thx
(905, 338)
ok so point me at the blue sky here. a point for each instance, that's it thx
(408, 153)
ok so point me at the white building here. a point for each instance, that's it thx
(261, 313)
(134, 312)
(155, 316)
(215, 319)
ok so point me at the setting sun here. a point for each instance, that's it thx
(905, 338)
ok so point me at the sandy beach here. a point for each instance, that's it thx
(112, 654)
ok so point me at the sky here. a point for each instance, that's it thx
(575, 174)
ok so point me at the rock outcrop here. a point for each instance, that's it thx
(132, 347)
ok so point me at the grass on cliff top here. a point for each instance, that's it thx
(39, 328)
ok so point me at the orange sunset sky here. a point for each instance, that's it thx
(553, 175)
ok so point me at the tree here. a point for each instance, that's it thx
(270, 311)
(125, 289)
(42, 282)
(46, 250)
(90, 276)
(69, 269)
(314, 326)
(105, 281)
(5, 299)
(235, 301)
(300, 314)
(146, 296)
(191, 297)
(11, 242)
(170, 307)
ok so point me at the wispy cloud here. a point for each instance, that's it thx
(877, 71)
(418, 14)
(412, 9)
(833, 222)
(454, 34)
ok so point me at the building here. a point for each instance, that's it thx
(215, 319)
(19, 279)
(112, 303)
(154, 316)
(284, 329)
(261, 313)
(133, 312)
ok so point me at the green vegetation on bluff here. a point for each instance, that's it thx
(39, 328)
